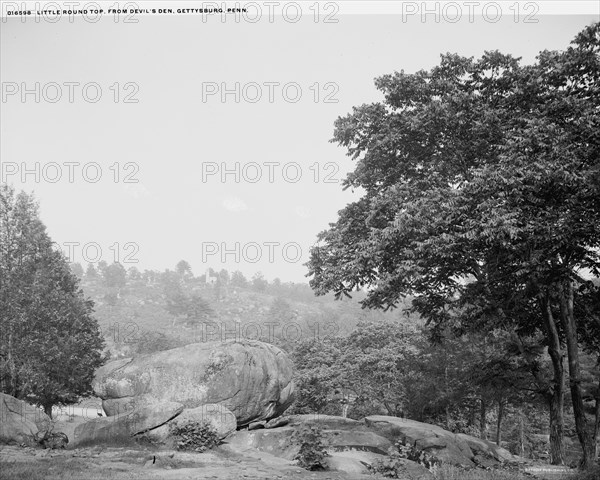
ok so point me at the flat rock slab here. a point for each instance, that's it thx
(326, 421)
(276, 441)
(352, 462)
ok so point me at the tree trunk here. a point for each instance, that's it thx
(472, 414)
(556, 393)
(48, 410)
(446, 408)
(557, 421)
(521, 436)
(483, 420)
(570, 327)
(499, 422)
(596, 426)
(12, 378)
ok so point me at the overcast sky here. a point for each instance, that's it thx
(180, 134)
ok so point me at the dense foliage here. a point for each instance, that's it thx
(481, 186)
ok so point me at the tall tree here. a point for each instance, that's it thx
(115, 276)
(478, 176)
(238, 279)
(51, 344)
(90, 271)
(183, 269)
(259, 283)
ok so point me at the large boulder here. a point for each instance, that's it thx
(20, 422)
(120, 429)
(251, 378)
(438, 443)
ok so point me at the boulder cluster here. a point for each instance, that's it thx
(242, 389)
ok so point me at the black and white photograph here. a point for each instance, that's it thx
(300, 240)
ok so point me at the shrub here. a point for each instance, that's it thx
(195, 436)
(393, 465)
(312, 452)
(412, 453)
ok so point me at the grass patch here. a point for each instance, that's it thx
(63, 469)
(450, 472)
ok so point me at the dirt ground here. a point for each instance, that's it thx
(148, 462)
(125, 463)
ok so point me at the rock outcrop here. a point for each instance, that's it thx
(457, 449)
(431, 439)
(20, 422)
(251, 378)
(354, 444)
(487, 453)
(351, 445)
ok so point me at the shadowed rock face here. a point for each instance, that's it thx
(119, 429)
(251, 378)
(219, 417)
(20, 422)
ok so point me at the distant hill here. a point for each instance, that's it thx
(150, 311)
